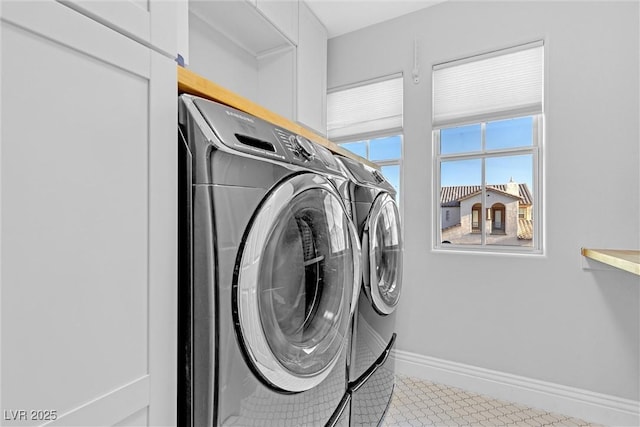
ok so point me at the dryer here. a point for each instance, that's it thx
(269, 273)
(371, 369)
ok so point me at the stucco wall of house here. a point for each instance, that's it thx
(463, 234)
(557, 322)
(454, 216)
(466, 220)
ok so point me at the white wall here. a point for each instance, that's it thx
(267, 79)
(215, 57)
(544, 317)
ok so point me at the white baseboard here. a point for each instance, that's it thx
(586, 405)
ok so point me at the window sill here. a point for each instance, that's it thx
(490, 250)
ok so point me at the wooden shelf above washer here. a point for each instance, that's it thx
(627, 260)
(195, 84)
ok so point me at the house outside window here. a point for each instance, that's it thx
(366, 119)
(487, 139)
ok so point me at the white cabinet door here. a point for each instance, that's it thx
(283, 14)
(151, 22)
(312, 72)
(87, 261)
(182, 30)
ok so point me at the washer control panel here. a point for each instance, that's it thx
(299, 146)
(248, 134)
(287, 140)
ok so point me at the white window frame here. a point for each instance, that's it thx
(377, 127)
(389, 162)
(535, 150)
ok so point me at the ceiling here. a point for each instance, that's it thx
(344, 16)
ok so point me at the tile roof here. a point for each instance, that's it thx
(451, 196)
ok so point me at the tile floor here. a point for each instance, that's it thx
(421, 403)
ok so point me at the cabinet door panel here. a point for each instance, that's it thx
(50, 20)
(150, 22)
(75, 192)
(130, 17)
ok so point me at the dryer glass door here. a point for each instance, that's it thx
(295, 284)
(385, 254)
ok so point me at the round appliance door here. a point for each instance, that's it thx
(383, 239)
(295, 286)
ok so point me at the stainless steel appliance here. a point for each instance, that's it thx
(371, 370)
(269, 274)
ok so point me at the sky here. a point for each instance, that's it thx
(380, 149)
(502, 134)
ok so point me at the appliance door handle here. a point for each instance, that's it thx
(358, 265)
(381, 360)
(342, 406)
(366, 264)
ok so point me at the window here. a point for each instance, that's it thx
(366, 119)
(384, 151)
(487, 135)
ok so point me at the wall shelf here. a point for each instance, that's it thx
(194, 84)
(242, 23)
(627, 260)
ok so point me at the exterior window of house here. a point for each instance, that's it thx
(366, 119)
(487, 139)
(522, 213)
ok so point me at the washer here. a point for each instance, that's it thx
(269, 270)
(371, 370)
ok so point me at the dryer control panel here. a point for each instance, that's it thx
(366, 175)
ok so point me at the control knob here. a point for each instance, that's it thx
(305, 147)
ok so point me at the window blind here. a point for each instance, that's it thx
(365, 109)
(508, 82)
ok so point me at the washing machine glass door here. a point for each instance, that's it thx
(294, 289)
(384, 254)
